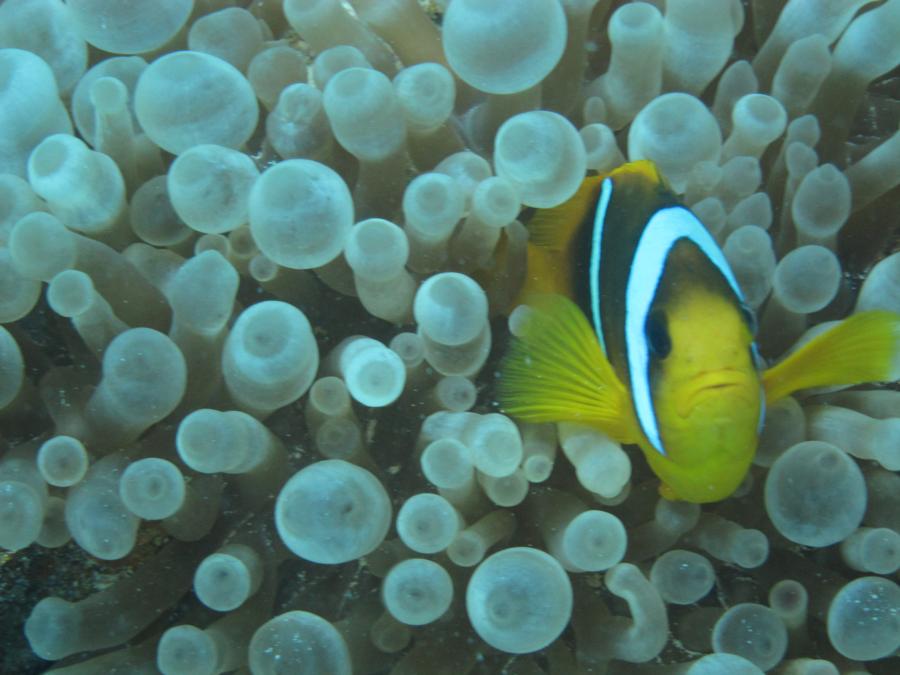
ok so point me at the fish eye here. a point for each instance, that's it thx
(749, 318)
(657, 332)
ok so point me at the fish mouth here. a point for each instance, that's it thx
(710, 384)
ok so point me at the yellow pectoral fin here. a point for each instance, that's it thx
(556, 372)
(863, 348)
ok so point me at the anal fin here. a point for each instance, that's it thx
(862, 348)
(555, 371)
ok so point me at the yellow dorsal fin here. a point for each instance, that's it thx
(639, 168)
(555, 227)
(862, 348)
(557, 372)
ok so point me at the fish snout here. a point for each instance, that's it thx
(716, 390)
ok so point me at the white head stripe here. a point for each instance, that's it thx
(594, 270)
(758, 364)
(665, 227)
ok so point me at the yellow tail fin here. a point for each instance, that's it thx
(556, 371)
(863, 348)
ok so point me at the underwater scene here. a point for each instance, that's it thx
(449, 337)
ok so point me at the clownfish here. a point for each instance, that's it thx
(638, 327)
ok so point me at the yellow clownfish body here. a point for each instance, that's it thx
(639, 328)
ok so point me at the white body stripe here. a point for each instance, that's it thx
(596, 242)
(665, 227)
(762, 411)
